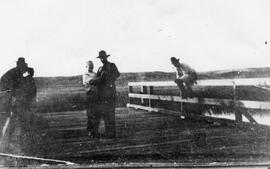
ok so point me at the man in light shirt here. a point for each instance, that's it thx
(92, 97)
(185, 77)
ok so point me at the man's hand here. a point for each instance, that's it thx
(178, 81)
(104, 73)
(26, 74)
(91, 82)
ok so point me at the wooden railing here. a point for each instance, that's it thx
(146, 94)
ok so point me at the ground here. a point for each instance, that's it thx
(146, 137)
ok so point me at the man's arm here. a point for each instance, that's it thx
(101, 78)
(114, 72)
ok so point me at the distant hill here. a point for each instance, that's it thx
(68, 93)
(237, 73)
(72, 81)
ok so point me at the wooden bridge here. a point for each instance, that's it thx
(155, 133)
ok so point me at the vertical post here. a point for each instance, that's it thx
(238, 114)
(130, 90)
(143, 91)
(150, 91)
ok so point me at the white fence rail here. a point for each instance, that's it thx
(147, 94)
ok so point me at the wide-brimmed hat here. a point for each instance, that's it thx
(21, 61)
(102, 54)
(173, 59)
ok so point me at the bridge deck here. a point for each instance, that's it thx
(140, 133)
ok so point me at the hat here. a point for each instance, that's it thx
(102, 54)
(173, 59)
(21, 60)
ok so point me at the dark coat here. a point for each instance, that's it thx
(10, 80)
(20, 87)
(105, 81)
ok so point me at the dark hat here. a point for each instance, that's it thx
(173, 59)
(21, 60)
(102, 54)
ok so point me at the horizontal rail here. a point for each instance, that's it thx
(211, 82)
(208, 101)
(36, 159)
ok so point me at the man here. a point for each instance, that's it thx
(105, 82)
(21, 85)
(185, 77)
(91, 99)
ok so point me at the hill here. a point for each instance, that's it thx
(71, 81)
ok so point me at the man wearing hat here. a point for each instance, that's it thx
(185, 77)
(21, 88)
(105, 82)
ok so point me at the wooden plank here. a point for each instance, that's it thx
(249, 117)
(239, 165)
(157, 110)
(150, 92)
(36, 159)
(167, 134)
(195, 116)
(237, 113)
(208, 101)
(211, 82)
(143, 91)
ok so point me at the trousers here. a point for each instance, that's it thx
(184, 83)
(105, 110)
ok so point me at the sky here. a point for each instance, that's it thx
(57, 37)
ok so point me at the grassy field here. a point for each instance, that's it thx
(68, 93)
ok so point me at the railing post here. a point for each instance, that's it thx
(150, 91)
(143, 91)
(237, 112)
(130, 90)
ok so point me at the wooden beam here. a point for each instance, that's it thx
(207, 101)
(196, 116)
(237, 113)
(36, 159)
(157, 110)
(249, 117)
(150, 92)
(212, 82)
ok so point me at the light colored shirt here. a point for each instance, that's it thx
(183, 70)
(87, 77)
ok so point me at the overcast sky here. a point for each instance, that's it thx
(57, 37)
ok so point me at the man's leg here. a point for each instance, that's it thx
(90, 117)
(109, 119)
(96, 117)
(190, 81)
(189, 90)
(180, 84)
(93, 116)
(11, 127)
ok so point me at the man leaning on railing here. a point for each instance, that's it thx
(185, 77)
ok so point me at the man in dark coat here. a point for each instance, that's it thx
(21, 85)
(105, 82)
